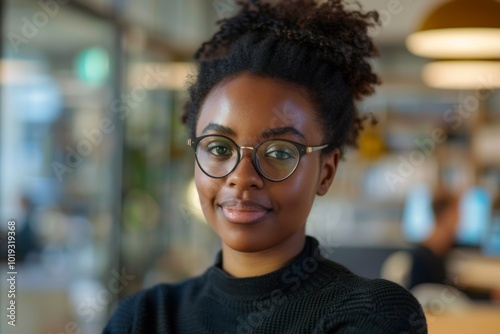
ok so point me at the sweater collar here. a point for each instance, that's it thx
(303, 274)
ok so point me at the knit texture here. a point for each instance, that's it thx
(311, 294)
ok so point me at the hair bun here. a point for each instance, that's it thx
(331, 33)
(323, 47)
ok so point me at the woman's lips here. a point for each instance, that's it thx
(242, 216)
(243, 212)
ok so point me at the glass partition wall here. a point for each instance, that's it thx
(87, 105)
(60, 149)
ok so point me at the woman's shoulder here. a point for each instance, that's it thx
(144, 306)
(373, 293)
(375, 305)
(378, 291)
(392, 301)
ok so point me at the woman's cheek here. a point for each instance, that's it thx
(302, 184)
(207, 191)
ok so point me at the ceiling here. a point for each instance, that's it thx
(399, 17)
(398, 21)
(74, 30)
(63, 34)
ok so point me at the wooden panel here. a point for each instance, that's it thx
(477, 319)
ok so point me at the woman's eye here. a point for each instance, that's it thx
(217, 149)
(279, 154)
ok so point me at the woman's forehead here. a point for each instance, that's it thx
(256, 103)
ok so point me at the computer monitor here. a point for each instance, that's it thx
(475, 216)
(491, 244)
(418, 220)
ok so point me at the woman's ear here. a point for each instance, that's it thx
(329, 164)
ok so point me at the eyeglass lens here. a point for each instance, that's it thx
(218, 156)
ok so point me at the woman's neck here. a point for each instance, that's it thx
(249, 264)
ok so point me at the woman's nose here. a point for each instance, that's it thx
(245, 175)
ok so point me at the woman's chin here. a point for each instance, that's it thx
(243, 242)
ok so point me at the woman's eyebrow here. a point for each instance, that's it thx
(268, 133)
(214, 127)
(275, 132)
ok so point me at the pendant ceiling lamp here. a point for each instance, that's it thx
(459, 29)
(464, 35)
(462, 74)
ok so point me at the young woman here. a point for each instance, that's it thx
(270, 114)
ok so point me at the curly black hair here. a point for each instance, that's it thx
(322, 47)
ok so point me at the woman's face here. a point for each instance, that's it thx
(247, 211)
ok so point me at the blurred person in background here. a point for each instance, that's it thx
(429, 257)
(270, 114)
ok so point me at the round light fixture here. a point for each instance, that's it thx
(459, 29)
(462, 74)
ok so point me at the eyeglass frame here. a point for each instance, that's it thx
(302, 149)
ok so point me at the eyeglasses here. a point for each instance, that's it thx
(275, 159)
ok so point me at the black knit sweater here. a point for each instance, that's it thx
(308, 295)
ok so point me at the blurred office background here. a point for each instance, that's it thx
(95, 171)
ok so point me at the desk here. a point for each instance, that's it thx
(470, 320)
(473, 270)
